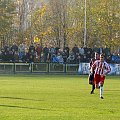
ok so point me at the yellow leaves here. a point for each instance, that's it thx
(48, 31)
(39, 13)
(42, 34)
(36, 39)
(43, 10)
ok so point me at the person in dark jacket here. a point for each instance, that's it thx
(91, 75)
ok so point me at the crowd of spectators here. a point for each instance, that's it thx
(36, 53)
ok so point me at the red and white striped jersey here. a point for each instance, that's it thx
(101, 68)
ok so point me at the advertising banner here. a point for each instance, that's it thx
(85, 69)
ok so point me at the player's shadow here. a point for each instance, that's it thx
(22, 107)
(19, 98)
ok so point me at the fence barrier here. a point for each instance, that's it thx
(82, 68)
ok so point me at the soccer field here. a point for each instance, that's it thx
(55, 97)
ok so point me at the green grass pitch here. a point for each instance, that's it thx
(57, 97)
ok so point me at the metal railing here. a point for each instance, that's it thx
(82, 68)
(38, 68)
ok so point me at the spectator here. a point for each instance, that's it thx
(16, 56)
(59, 57)
(51, 52)
(71, 58)
(101, 50)
(57, 49)
(55, 59)
(6, 54)
(115, 57)
(45, 53)
(39, 51)
(14, 47)
(26, 56)
(66, 49)
(11, 56)
(88, 52)
(32, 48)
(77, 58)
(81, 51)
(75, 49)
(21, 50)
(65, 55)
(2, 55)
(6, 48)
(109, 58)
(31, 56)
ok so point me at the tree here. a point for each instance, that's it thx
(103, 23)
(61, 22)
(7, 8)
